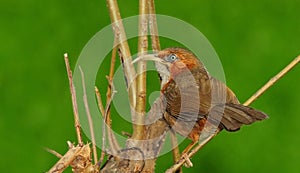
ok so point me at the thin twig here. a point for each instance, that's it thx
(272, 81)
(55, 153)
(74, 102)
(107, 119)
(99, 100)
(100, 105)
(90, 121)
(109, 94)
(112, 139)
(115, 147)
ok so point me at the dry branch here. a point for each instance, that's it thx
(74, 102)
(79, 157)
(153, 27)
(272, 81)
(138, 134)
(89, 117)
(101, 107)
(121, 40)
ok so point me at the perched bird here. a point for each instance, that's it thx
(193, 97)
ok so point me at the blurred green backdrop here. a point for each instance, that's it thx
(254, 39)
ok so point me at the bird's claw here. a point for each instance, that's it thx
(188, 162)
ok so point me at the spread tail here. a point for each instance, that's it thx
(235, 115)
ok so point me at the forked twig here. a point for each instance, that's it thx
(89, 117)
(74, 102)
(248, 102)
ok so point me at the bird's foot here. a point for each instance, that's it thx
(188, 162)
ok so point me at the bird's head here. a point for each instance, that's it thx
(174, 61)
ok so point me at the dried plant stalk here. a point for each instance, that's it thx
(106, 113)
(74, 102)
(141, 71)
(121, 40)
(89, 117)
(101, 107)
(79, 157)
(272, 81)
(153, 27)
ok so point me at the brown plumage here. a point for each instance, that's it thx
(193, 97)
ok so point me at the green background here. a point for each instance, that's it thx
(254, 40)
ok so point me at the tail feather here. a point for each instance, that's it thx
(235, 115)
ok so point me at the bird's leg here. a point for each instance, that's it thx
(189, 147)
(184, 154)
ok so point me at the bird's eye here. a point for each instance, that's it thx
(172, 58)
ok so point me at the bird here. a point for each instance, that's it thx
(192, 97)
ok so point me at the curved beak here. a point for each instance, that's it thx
(151, 57)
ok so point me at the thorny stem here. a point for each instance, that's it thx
(74, 102)
(89, 117)
(248, 102)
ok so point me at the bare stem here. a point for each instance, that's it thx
(272, 81)
(100, 105)
(111, 137)
(153, 27)
(99, 100)
(124, 52)
(141, 71)
(74, 102)
(90, 121)
(55, 153)
(121, 40)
